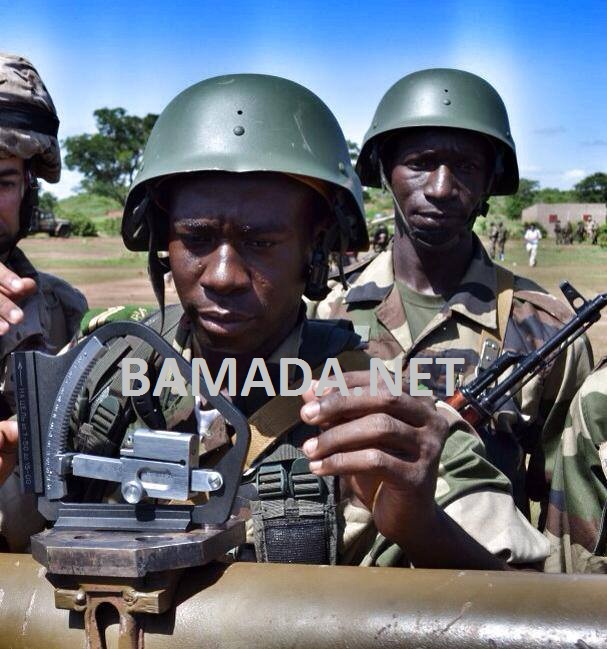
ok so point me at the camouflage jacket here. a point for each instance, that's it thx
(52, 318)
(470, 489)
(576, 526)
(526, 430)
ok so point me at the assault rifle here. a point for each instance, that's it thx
(479, 399)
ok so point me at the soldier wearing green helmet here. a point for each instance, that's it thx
(440, 143)
(246, 182)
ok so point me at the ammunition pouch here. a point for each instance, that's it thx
(294, 520)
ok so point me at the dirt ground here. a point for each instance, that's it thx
(109, 275)
(100, 267)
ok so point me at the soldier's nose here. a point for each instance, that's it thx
(440, 184)
(225, 271)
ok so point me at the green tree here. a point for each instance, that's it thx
(47, 202)
(353, 150)
(109, 158)
(592, 189)
(553, 195)
(524, 197)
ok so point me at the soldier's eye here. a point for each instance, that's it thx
(260, 243)
(196, 238)
(468, 165)
(420, 164)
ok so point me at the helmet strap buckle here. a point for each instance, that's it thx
(29, 202)
(318, 270)
(318, 275)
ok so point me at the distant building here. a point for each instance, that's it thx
(547, 214)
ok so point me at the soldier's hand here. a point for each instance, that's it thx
(8, 448)
(12, 289)
(387, 448)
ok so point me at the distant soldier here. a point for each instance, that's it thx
(502, 237)
(381, 238)
(593, 231)
(568, 234)
(493, 236)
(532, 240)
(580, 232)
(558, 232)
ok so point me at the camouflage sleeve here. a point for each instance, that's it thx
(560, 387)
(545, 400)
(94, 318)
(478, 497)
(19, 517)
(578, 492)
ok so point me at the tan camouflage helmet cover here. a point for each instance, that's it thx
(28, 119)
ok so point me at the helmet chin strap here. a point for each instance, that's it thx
(481, 209)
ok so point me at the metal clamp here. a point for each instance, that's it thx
(153, 463)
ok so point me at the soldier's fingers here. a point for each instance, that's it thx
(334, 408)
(10, 281)
(373, 431)
(26, 286)
(371, 462)
(8, 448)
(360, 378)
(10, 313)
(310, 393)
(29, 287)
(9, 434)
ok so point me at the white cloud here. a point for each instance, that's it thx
(531, 169)
(574, 174)
(66, 186)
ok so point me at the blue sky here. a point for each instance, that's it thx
(548, 60)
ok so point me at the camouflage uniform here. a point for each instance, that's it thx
(475, 494)
(528, 425)
(576, 525)
(470, 490)
(28, 123)
(51, 319)
(52, 314)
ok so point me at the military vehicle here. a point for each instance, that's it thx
(42, 221)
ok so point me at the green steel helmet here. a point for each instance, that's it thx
(442, 98)
(246, 123)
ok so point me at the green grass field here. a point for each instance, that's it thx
(583, 265)
(108, 274)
